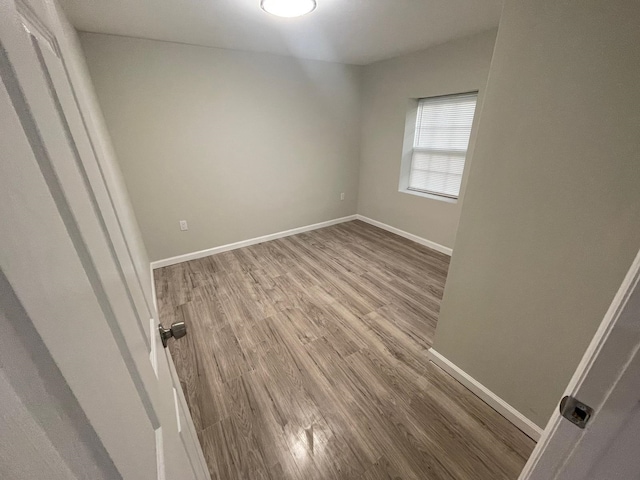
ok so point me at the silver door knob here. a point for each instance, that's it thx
(177, 330)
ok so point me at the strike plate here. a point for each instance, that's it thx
(575, 411)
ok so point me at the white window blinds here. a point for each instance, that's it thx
(440, 146)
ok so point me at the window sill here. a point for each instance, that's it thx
(429, 195)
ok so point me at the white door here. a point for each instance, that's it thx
(608, 381)
(66, 259)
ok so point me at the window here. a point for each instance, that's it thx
(440, 142)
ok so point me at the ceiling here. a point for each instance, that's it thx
(347, 31)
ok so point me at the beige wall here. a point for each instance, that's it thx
(238, 144)
(551, 219)
(454, 67)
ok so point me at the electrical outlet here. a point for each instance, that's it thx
(342, 196)
(183, 225)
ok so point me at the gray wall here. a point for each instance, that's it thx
(551, 218)
(454, 67)
(238, 144)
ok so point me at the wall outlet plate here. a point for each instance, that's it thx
(183, 225)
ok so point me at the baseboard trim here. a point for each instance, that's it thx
(245, 243)
(422, 241)
(494, 401)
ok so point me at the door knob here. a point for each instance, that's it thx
(177, 330)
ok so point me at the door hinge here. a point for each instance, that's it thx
(575, 411)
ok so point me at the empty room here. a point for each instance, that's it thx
(320, 239)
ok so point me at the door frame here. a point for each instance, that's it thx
(600, 371)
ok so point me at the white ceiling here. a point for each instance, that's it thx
(348, 31)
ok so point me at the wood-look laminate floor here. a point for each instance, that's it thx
(305, 359)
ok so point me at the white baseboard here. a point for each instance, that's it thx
(486, 395)
(245, 243)
(422, 241)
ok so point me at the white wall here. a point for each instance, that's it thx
(551, 218)
(454, 67)
(238, 144)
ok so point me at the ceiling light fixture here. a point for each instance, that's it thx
(288, 8)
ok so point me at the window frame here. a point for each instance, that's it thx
(408, 148)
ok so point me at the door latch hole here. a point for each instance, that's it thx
(575, 411)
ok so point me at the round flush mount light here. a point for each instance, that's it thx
(288, 8)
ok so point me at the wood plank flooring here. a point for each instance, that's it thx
(305, 359)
